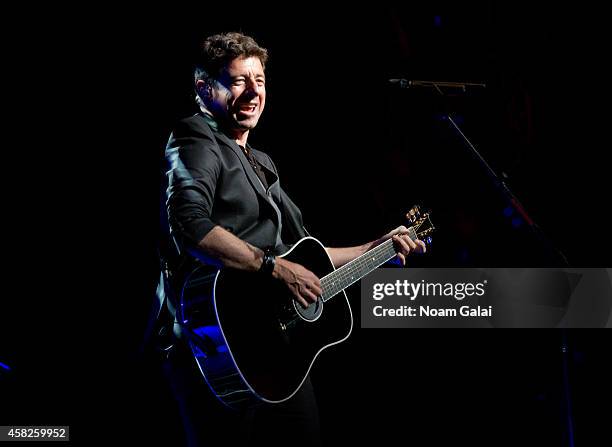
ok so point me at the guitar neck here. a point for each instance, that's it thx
(353, 271)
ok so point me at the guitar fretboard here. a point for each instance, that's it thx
(353, 271)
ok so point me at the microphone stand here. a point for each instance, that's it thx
(496, 180)
(518, 207)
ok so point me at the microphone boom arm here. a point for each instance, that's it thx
(406, 83)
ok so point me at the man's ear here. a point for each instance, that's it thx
(204, 89)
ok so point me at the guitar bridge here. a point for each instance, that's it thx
(287, 324)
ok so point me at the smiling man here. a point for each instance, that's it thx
(226, 207)
(238, 96)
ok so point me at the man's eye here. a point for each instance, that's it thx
(238, 82)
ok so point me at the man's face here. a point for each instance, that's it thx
(240, 96)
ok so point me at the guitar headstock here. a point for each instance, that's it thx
(421, 224)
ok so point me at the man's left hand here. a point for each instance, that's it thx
(403, 244)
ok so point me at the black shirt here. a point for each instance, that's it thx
(256, 165)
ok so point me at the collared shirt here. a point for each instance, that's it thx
(255, 165)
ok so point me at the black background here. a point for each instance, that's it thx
(95, 94)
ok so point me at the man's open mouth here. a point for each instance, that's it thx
(247, 108)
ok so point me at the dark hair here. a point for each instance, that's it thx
(220, 49)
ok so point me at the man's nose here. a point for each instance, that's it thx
(253, 87)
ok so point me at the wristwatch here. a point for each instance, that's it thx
(269, 261)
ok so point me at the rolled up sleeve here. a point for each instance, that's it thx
(193, 171)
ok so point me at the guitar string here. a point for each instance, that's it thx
(361, 266)
(351, 272)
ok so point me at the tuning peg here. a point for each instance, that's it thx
(428, 240)
(413, 214)
(410, 215)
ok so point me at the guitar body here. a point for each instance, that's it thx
(249, 338)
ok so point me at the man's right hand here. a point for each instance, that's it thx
(304, 284)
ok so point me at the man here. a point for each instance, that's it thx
(226, 206)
